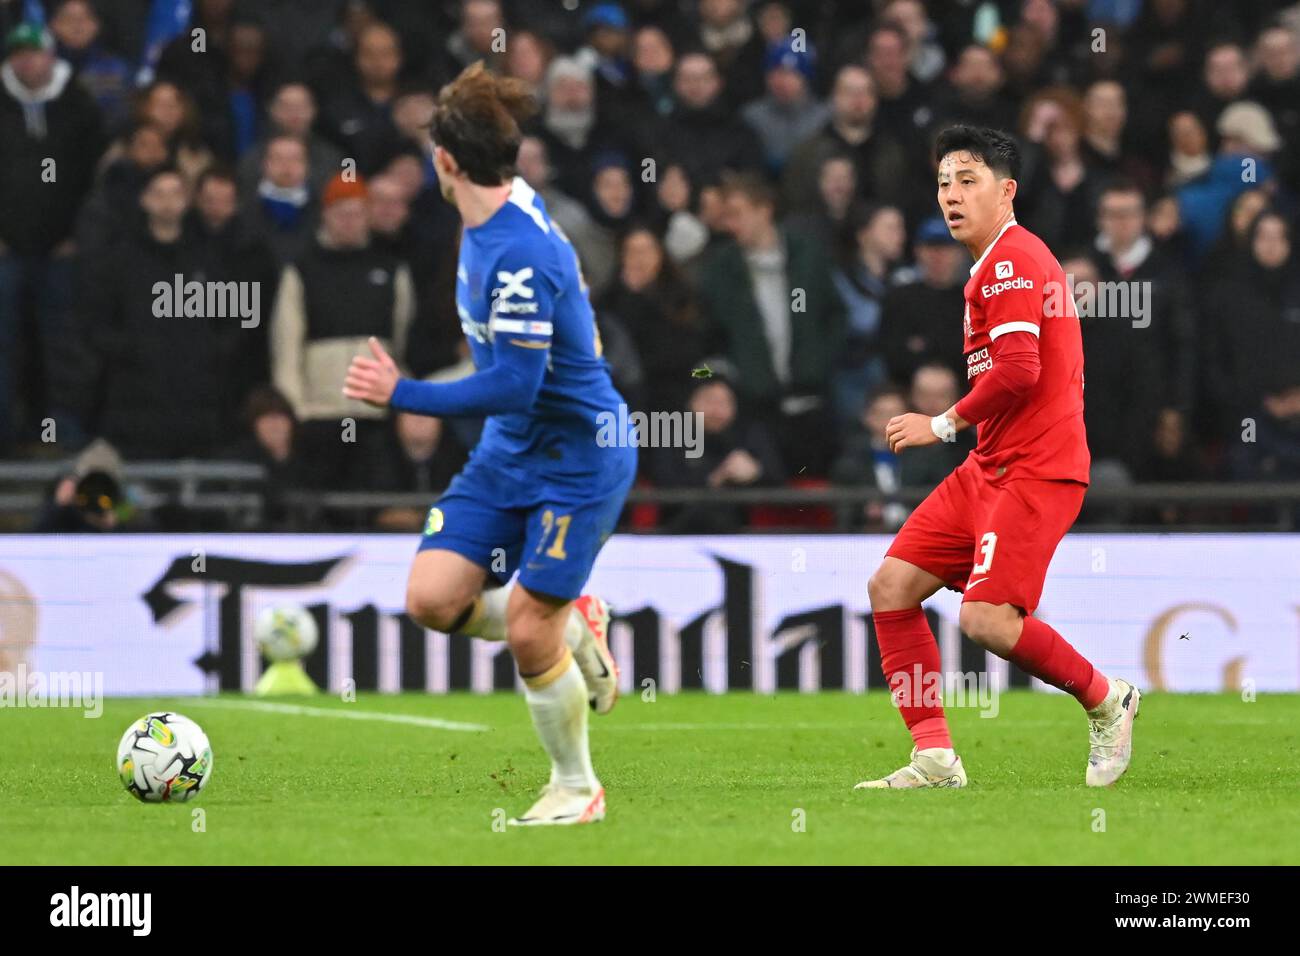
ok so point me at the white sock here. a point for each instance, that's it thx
(488, 622)
(559, 711)
(573, 629)
(489, 618)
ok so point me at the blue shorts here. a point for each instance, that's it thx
(506, 519)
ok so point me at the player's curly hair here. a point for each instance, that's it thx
(994, 148)
(477, 120)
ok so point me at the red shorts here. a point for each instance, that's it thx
(991, 542)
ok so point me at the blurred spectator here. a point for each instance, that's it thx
(569, 124)
(1224, 79)
(1272, 452)
(1189, 153)
(340, 291)
(735, 452)
(862, 277)
(606, 53)
(1155, 286)
(1247, 141)
(1171, 456)
(1058, 199)
(234, 254)
(1105, 116)
(292, 112)
(426, 458)
(282, 214)
(359, 113)
(828, 221)
(788, 113)
(104, 74)
(271, 441)
(903, 109)
(974, 94)
(528, 56)
(919, 319)
(703, 135)
(925, 57)
(879, 162)
(652, 61)
(49, 140)
(768, 298)
(164, 105)
(612, 202)
(1233, 247)
(113, 206)
(228, 77)
(1122, 366)
(481, 23)
(685, 233)
(657, 308)
(1276, 87)
(729, 38)
(1252, 334)
(161, 364)
(866, 460)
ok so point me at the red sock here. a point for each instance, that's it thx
(909, 656)
(1049, 657)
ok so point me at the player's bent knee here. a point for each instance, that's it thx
(994, 627)
(435, 611)
(897, 585)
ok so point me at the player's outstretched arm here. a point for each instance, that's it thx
(509, 385)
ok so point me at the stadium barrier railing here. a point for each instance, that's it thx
(236, 492)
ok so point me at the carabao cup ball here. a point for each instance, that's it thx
(285, 633)
(164, 758)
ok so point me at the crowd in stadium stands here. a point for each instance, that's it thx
(749, 186)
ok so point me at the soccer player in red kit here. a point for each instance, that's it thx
(989, 530)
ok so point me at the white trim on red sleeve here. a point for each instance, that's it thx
(1006, 327)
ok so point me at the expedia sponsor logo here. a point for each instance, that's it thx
(977, 362)
(997, 288)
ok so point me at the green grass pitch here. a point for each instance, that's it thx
(690, 779)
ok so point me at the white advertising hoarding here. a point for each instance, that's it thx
(172, 614)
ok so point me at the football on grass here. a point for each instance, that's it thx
(164, 758)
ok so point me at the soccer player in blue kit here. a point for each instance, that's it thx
(544, 487)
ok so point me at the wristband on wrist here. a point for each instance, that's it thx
(943, 428)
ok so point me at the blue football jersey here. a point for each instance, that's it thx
(519, 285)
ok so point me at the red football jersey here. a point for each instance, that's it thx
(1018, 286)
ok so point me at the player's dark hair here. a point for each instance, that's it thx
(992, 147)
(477, 120)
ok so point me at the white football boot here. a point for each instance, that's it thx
(932, 767)
(561, 806)
(597, 664)
(1110, 734)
